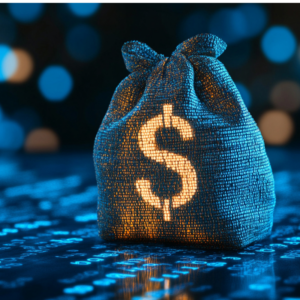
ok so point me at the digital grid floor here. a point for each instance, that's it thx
(50, 247)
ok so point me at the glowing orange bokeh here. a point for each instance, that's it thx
(24, 67)
(286, 96)
(42, 140)
(276, 127)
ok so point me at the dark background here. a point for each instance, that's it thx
(97, 66)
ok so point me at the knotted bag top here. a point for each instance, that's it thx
(139, 56)
(195, 60)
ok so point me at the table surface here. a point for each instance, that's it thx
(50, 247)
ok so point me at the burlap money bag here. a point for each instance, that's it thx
(178, 157)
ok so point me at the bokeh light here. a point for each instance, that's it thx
(11, 135)
(42, 140)
(276, 127)
(228, 24)
(83, 42)
(79, 289)
(244, 93)
(24, 66)
(83, 9)
(256, 18)
(286, 96)
(8, 62)
(28, 118)
(74, 40)
(194, 23)
(7, 29)
(55, 83)
(26, 12)
(278, 44)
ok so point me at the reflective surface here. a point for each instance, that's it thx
(50, 247)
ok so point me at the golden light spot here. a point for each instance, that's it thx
(42, 140)
(276, 126)
(175, 162)
(24, 66)
(167, 284)
(286, 96)
(183, 297)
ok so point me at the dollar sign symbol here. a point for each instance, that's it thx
(179, 164)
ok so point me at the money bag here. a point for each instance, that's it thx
(178, 157)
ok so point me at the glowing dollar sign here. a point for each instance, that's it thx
(179, 164)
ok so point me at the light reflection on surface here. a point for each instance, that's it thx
(80, 263)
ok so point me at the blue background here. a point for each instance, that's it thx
(82, 42)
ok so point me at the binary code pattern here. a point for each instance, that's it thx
(178, 157)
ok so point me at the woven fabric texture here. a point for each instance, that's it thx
(178, 157)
